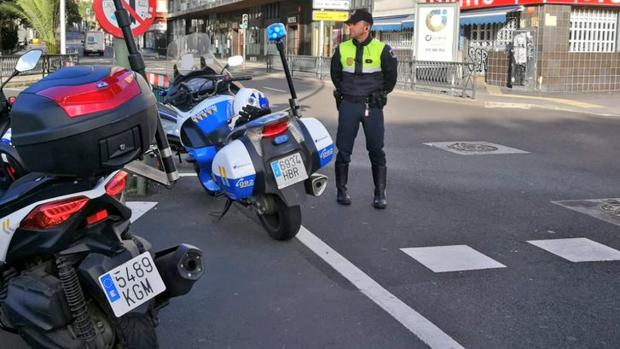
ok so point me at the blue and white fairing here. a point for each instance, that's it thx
(321, 139)
(233, 171)
(6, 137)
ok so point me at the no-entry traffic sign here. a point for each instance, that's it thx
(141, 14)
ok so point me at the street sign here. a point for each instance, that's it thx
(336, 16)
(141, 14)
(331, 4)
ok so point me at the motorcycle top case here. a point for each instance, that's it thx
(84, 121)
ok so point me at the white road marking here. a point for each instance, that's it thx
(428, 332)
(274, 89)
(441, 259)
(189, 174)
(578, 250)
(139, 208)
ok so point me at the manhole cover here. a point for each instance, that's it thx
(611, 207)
(472, 147)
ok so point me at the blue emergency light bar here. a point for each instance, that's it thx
(276, 31)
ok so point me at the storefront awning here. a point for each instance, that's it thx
(409, 22)
(495, 15)
(392, 23)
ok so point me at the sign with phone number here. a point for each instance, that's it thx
(475, 4)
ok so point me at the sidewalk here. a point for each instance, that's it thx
(600, 104)
(603, 103)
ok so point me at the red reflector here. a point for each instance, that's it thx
(12, 100)
(52, 214)
(117, 184)
(97, 217)
(275, 129)
(95, 97)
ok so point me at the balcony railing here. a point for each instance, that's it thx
(179, 8)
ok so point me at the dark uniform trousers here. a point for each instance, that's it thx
(350, 115)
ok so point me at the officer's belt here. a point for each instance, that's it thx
(356, 99)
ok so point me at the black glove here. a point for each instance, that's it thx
(378, 100)
(338, 98)
(249, 113)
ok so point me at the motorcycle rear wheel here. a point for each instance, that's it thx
(136, 331)
(284, 223)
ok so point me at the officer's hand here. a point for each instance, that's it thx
(338, 98)
(378, 99)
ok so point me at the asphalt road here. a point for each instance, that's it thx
(259, 293)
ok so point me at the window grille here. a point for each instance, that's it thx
(593, 30)
(398, 40)
(497, 35)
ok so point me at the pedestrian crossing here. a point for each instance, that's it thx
(462, 258)
(459, 258)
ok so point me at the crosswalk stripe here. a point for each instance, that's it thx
(139, 208)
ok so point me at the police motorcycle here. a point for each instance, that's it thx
(72, 275)
(259, 159)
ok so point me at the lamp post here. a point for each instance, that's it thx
(63, 30)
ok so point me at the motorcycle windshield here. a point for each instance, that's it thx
(190, 53)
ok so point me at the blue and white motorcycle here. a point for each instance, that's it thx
(265, 160)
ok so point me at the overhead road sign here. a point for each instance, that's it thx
(336, 16)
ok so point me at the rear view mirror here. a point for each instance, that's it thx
(235, 61)
(28, 60)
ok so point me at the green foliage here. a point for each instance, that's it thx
(73, 12)
(42, 16)
(8, 38)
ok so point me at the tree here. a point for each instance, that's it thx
(42, 16)
(8, 31)
(73, 12)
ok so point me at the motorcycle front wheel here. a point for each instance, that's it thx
(284, 223)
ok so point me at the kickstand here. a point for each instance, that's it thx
(227, 207)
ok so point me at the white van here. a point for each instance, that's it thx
(94, 43)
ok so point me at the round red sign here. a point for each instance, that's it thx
(141, 15)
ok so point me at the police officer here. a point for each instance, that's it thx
(364, 71)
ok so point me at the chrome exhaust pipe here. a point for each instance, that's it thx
(316, 184)
(180, 267)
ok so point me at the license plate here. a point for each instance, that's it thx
(289, 170)
(132, 284)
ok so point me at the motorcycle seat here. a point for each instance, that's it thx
(18, 194)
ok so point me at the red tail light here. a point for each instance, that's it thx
(53, 214)
(97, 217)
(96, 97)
(275, 129)
(115, 187)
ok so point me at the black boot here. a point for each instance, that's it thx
(379, 174)
(342, 173)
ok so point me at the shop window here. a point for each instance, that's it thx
(593, 30)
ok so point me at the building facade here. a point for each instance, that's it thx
(221, 19)
(544, 45)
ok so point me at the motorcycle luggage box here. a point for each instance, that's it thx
(84, 121)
